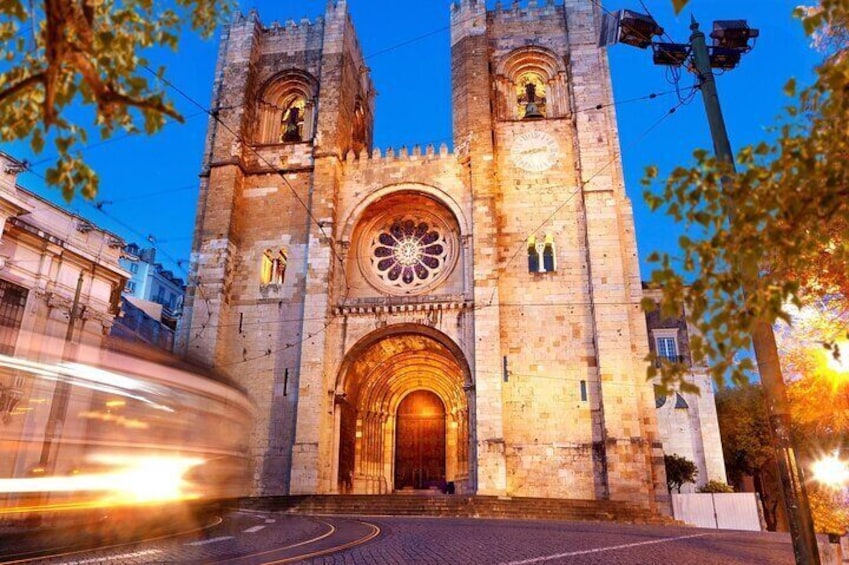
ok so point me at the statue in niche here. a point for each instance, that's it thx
(358, 130)
(266, 271)
(279, 268)
(273, 268)
(292, 124)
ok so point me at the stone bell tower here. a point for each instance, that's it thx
(564, 409)
(290, 100)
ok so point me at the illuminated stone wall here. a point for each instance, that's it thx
(411, 272)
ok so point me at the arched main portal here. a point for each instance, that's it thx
(403, 414)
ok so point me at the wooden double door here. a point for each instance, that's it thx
(420, 442)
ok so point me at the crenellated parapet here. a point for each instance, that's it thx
(292, 36)
(468, 19)
(291, 28)
(391, 156)
(526, 9)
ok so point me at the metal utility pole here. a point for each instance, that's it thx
(59, 405)
(763, 339)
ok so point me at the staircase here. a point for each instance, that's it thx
(459, 507)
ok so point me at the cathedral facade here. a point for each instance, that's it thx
(415, 318)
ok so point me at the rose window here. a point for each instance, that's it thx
(408, 254)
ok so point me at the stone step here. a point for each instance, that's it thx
(458, 506)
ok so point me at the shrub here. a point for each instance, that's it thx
(716, 486)
(679, 470)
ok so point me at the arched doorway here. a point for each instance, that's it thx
(420, 442)
(402, 411)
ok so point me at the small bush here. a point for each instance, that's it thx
(679, 470)
(716, 486)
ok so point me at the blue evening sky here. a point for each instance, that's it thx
(150, 183)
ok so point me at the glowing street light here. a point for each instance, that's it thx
(840, 363)
(831, 471)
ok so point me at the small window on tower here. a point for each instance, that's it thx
(549, 259)
(533, 255)
(541, 255)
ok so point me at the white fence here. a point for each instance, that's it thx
(727, 511)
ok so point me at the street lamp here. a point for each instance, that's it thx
(838, 359)
(730, 41)
(831, 471)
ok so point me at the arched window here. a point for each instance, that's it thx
(531, 84)
(541, 250)
(286, 109)
(533, 255)
(530, 96)
(549, 258)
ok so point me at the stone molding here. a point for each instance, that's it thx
(388, 306)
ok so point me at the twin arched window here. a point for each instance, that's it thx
(273, 268)
(287, 109)
(541, 250)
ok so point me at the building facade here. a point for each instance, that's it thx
(414, 317)
(152, 282)
(688, 421)
(46, 253)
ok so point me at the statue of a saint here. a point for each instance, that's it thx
(292, 131)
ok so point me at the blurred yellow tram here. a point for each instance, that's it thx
(86, 430)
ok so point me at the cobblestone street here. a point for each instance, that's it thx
(265, 537)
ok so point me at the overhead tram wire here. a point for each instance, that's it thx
(332, 317)
(215, 116)
(155, 244)
(121, 137)
(143, 195)
(577, 190)
(648, 13)
(203, 110)
(124, 225)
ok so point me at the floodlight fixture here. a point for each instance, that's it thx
(733, 34)
(671, 54)
(724, 58)
(637, 29)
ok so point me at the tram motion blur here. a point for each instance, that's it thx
(94, 430)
